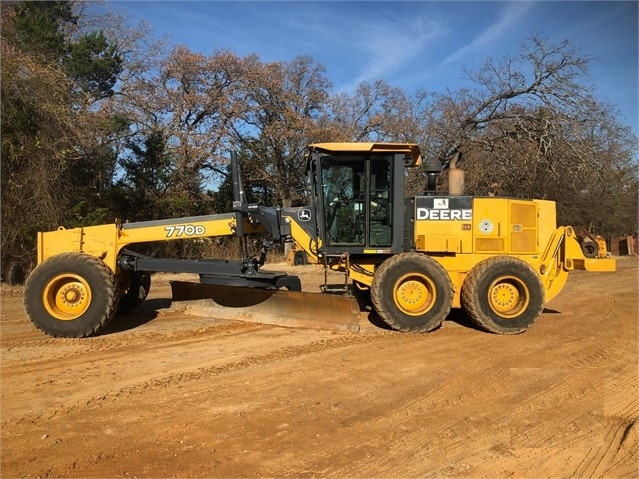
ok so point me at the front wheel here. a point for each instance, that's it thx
(70, 295)
(412, 292)
(503, 295)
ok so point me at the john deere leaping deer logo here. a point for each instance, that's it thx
(304, 215)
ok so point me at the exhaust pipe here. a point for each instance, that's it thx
(455, 176)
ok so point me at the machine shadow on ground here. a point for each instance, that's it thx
(458, 316)
(146, 313)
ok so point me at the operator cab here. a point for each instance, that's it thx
(359, 195)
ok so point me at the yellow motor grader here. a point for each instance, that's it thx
(410, 259)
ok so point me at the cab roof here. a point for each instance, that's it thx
(410, 150)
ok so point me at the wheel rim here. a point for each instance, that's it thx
(67, 297)
(414, 294)
(508, 296)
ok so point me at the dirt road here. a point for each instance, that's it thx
(161, 394)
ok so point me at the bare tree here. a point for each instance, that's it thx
(192, 99)
(282, 102)
(531, 128)
(543, 75)
(374, 112)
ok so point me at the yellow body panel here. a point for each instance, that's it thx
(525, 229)
(304, 241)
(99, 241)
(106, 241)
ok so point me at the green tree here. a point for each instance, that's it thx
(147, 175)
(94, 63)
(38, 28)
(57, 150)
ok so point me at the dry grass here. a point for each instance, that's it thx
(11, 291)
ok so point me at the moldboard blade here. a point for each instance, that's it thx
(267, 306)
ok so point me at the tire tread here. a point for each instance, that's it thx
(79, 261)
(378, 292)
(471, 294)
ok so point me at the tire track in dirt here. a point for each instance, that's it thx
(69, 352)
(556, 407)
(271, 402)
(624, 463)
(449, 409)
(466, 448)
(88, 363)
(156, 380)
(612, 345)
(398, 414)
(207, 373)
(597, 460)
(376, 410)
(617, 401)
(364, 418)
(321, 346)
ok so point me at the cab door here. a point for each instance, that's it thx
(359, 203)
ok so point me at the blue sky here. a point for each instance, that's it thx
(409, 44)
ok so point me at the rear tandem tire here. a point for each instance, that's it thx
(70, 295)
(503, 295)
(412, 292)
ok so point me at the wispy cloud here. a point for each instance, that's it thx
(506, 22)
(394, 50)
(409, 44)
(391, 45)
(366, 42)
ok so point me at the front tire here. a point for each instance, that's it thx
(503, 295)
(70, 295)
(412, 292)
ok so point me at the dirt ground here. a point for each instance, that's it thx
(164, 394)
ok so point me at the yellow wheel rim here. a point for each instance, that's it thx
(508, 297)
(414, 294)
(67, 297)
